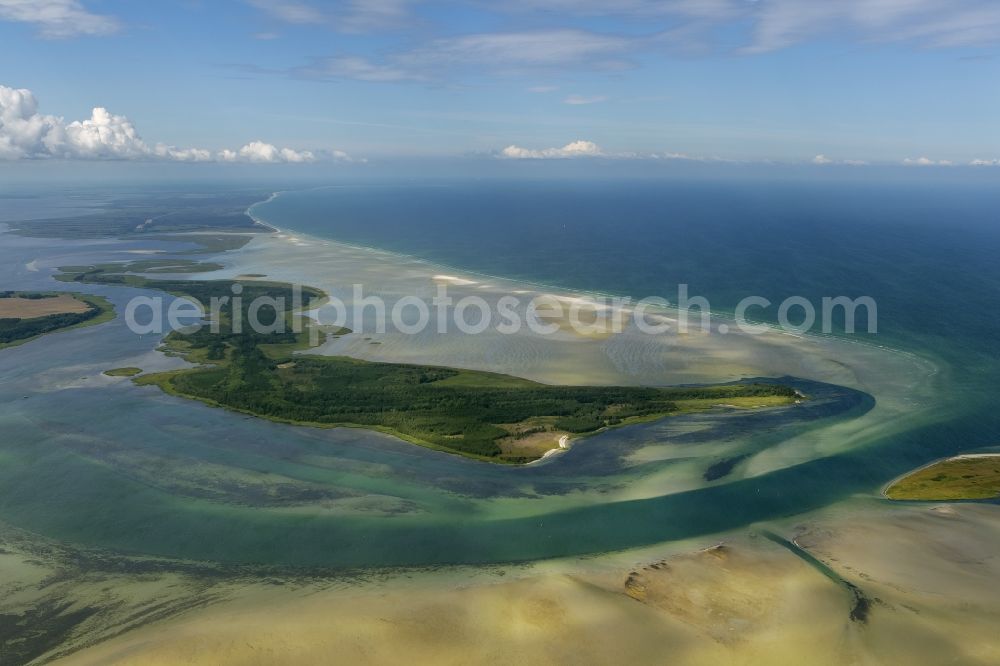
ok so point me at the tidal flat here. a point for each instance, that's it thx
(928, 572)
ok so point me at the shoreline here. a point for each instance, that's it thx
(327, 264)
(563, 292)
(958, 456)
(560, 291)
(884, 491)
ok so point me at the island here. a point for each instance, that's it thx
(26, 315)
(974, 476)
(482, 415)
(128, 371)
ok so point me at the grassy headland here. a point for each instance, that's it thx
(961, 478)
(477, 414)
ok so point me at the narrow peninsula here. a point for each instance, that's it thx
(974, 476)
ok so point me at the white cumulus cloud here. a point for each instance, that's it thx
(27, 134)
(574, 149)
(258, 151)
(58, 18)
(182, 154)
(23, 131)
(582, 148)
(985, 162)
(103, 135)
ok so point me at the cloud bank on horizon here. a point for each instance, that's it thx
(27, 134)
(581, 148)
(584, 149)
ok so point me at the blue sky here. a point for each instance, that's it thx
(878, 81)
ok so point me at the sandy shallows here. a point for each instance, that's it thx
(929, 572)
(27, 308)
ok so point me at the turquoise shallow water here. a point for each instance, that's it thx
(71, 456)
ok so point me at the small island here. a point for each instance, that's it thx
(482, 415)
(26, 315)
(965, 477)
(123, 372)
